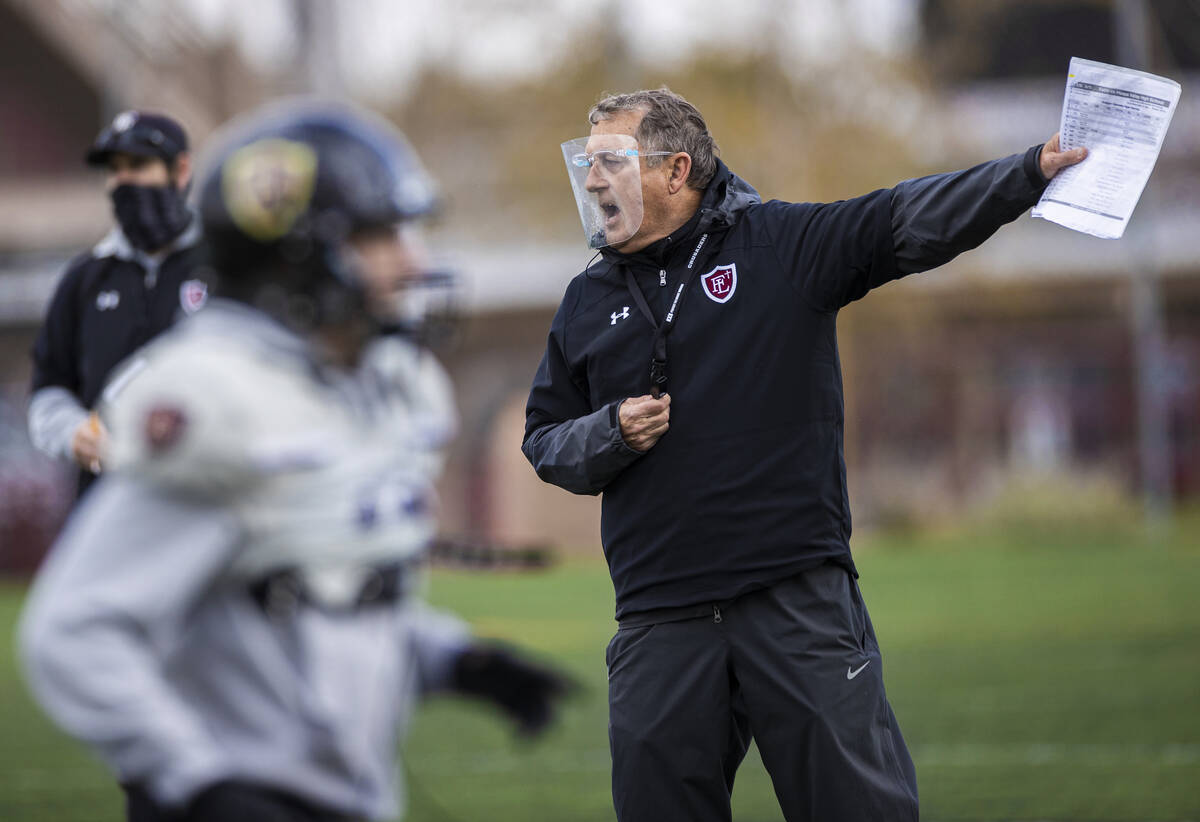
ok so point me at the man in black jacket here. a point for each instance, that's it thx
(727, 537)
(123, 292)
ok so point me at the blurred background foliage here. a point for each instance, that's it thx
(1045, 356)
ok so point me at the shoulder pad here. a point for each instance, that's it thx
(182, 413)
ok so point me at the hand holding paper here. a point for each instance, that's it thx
(1053, 158)
(1121, 116)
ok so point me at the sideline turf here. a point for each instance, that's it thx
(1049, 674)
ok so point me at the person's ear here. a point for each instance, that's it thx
(181, 170)
(680, 165)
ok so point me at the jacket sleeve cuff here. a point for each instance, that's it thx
(616, 440)
(437, 639)
(1033, 167)
(54, 415)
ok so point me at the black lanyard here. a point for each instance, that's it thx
(658, 357)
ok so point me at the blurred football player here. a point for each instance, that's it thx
(232, 619)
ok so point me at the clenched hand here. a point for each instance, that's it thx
(643, 420)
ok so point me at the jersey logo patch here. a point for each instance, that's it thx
(193, 294)
(720, 283)
(623, 314)
(164, 427)
(108, 300)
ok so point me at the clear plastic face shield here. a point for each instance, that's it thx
(606, 177)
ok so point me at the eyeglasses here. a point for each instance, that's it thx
(613, 159)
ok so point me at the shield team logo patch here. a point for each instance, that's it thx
(720, 283)
(267, 186)
(165, 425)
(192, 295)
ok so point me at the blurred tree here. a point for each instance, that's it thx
(495, 148)
(997, 39)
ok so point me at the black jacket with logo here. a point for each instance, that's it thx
(108, 304)
(748, 486)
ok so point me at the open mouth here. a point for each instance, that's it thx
(610, 211)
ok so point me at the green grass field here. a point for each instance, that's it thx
(1045, 673)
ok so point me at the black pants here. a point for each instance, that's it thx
(797, 668)
(228, 802)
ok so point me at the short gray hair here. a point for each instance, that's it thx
(670, 123)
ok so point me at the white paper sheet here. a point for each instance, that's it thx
(1120, 116)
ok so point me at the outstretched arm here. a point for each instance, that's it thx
(837, 252)
(936, 218)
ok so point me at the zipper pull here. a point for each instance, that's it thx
(716, 613)
(662, 276)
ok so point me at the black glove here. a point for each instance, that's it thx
(524, 690)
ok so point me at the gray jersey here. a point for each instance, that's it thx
(235, 457)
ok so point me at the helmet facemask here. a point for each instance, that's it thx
(402, 292)
(307, 215)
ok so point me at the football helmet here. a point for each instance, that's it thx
(288, 187)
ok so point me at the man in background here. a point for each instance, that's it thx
(128, 288)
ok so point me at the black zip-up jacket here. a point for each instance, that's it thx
(110, 302)
(748, 486)
(106, 306)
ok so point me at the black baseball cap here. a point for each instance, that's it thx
(138, 132)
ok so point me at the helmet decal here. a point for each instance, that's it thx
(287, 195)
(267, 185)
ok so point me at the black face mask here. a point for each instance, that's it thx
(150, 216)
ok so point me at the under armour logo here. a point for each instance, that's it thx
(107, 300)
(623, 315)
